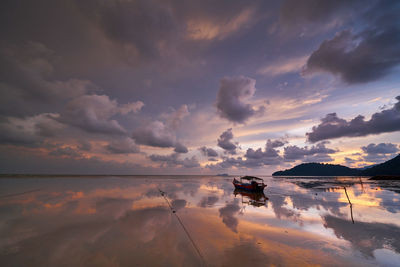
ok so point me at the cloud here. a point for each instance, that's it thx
(284, 66)
(173, 160)
(208, 152)
(27, 81)
(207, 29)
(122, 146)
(274, 143)
(175, 117)
(92, 113)
(28, 131)
(350, 161)
(227, 214)
(224, 142)
(122, 22)
(133, 107)
(85, 146)
(364, 56)
(315, 153)
(154, 134)
(270, 156)
(232, 96)
(68, 152)
(162, 134)
(294, 13)
(179, 148)
(382, 148)
(380, 152)
(254, 158)
(334, 127)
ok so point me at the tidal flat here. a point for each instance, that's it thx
(197, 221)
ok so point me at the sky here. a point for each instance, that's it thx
(197, 87)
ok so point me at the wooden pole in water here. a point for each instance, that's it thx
(351, 205)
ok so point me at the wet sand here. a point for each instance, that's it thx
(198, 221)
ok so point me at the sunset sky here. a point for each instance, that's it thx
(197, 87)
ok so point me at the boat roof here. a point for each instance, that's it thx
(250, 178)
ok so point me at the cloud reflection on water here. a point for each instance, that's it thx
(125, 221)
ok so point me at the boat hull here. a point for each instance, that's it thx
(249, 187)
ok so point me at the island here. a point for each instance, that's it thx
(389, 170)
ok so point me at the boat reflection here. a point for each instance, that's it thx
(256, 199)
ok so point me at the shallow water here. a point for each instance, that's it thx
(125, 221)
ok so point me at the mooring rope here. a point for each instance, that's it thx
(163, 194)
(21, 193)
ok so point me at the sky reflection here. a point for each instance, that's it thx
(120, 221)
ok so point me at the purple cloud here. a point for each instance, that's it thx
(208, 152)
(225, 142)
(317, 153)
(232, 96)
(173, 160)
(334, 127)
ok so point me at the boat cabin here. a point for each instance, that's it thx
(249, 183)
(251, 180)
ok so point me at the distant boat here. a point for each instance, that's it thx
(249, 183)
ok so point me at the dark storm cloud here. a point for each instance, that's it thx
(364, 56)
(315, 153)
(380, 152)
(228, 213)
(123, 21)
(93, 113)
(173, 160)
(225, 142)
(27, 86)
(334, 127)
(28, 131)
(162, 134)
(168, 24)
(232, 96)
(154, 134)
(122, 146)
(179, 148)
(382, 148)
(208, 152)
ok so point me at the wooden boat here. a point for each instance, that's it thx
(249, 183)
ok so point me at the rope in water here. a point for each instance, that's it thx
(163, 194)
(21, 193)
